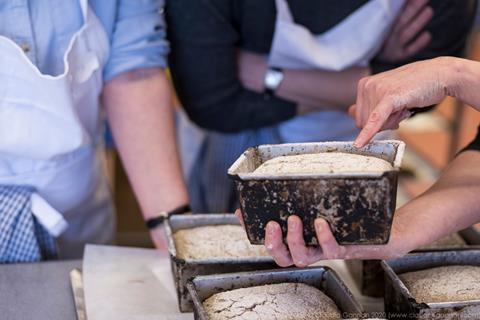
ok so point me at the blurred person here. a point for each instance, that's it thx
(450, 205)
(59, 62)
(257, 72)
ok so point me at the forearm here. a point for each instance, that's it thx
(139, 110)
(448, 206)
(320, 88)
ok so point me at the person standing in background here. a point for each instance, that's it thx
(257, 72)
(59, 61)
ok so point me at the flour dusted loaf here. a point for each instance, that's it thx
(219, 241)
(275, 301)
(444, 284)
(328, 162)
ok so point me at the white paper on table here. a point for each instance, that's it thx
(129, 283)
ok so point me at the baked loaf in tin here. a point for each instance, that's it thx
(275, 301)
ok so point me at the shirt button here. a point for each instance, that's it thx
(25, 47)
(161, 11)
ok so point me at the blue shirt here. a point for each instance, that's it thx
(43, 29)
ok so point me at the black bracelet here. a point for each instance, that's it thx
(152, 223)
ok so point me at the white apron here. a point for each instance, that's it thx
(352, 42)
(50, 137)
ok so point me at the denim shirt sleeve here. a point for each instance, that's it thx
(138, 38)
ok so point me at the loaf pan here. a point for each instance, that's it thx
(358, 206)
(368, 274)
(399, 303)
(184, 269)
(323, 278)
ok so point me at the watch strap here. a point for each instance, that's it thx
(153, 223)
(271, 91)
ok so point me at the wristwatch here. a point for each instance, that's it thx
(273, 79)
(153, 223)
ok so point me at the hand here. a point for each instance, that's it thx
(383, 100)
(159, 238)
(252, 68)
(298, 254)
(405, 38)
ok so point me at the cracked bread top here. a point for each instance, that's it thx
(215, 241)
(327, 162)
(444, 284)
(274, 301)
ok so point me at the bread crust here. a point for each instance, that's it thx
(219, 241)
(327, 162)
(275, 301)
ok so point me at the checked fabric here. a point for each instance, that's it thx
(22, 238)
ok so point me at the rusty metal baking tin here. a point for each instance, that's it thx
(399, 301)
(358, 206)
(323, 278)
(368, 274)
(185, 269)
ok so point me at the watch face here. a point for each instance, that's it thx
(273, 78)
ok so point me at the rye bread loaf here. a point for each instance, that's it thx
(275, 301)
(328, 162)
(215, 241)
(444, 284)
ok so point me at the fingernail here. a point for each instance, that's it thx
(318, 225)
(270, 228)
(292, 224)
(269, 246)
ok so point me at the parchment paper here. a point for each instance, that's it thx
(129, 283)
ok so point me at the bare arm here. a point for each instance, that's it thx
(140, 113)
(310, 88)
(448, 206)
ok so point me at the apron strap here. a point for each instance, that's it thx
(84, 7)
(283, 11)
(47, 216)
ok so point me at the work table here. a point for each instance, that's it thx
(38, 291)
(42, 291)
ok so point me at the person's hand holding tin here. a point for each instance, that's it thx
(295, 252)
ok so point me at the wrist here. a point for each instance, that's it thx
(158, 219)
(272, 80)
(402, 240)
(452, 75)
(163, 201)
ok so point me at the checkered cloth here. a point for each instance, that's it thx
(22, 238)
(209, 188)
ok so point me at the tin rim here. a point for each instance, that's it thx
(399, 147)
